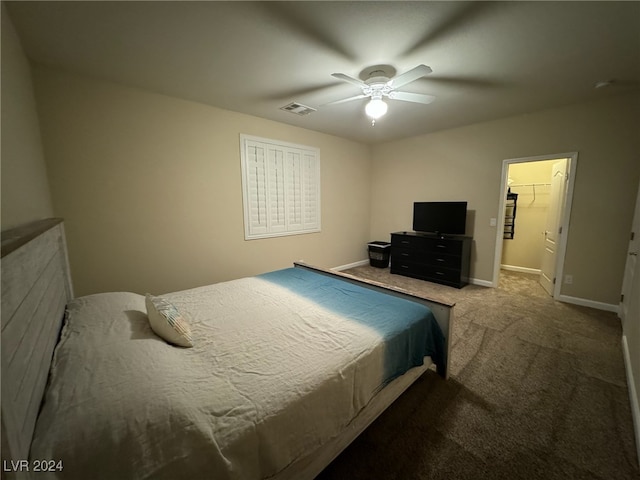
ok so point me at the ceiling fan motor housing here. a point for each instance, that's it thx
(379, 81)
(377, 86)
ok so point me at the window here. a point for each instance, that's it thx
(280, 188)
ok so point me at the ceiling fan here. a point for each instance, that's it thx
(380, 82)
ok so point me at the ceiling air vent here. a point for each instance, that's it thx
(298, 109)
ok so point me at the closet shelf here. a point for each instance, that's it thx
(530, 185)
(510, 215)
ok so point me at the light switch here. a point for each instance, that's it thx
(493, 222)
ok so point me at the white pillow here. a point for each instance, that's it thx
(167, 322)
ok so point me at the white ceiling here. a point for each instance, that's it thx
(489, 59)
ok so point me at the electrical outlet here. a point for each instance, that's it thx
(568, 279)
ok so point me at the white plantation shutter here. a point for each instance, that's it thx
(275, 189)
(281, 188)
(257, 189)
(311, 184)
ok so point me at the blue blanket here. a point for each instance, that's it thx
(409, 329)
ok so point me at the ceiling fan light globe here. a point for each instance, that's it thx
(376, 108)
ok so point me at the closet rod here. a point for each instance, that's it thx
(534, 185)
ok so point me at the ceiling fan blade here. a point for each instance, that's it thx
(349, 79)
(410, 76)
(344, 100)
(412, 97)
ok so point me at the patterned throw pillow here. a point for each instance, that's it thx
(167, 322)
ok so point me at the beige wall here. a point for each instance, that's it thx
(466, 164)
(525, 249)
(150, 186)
(25, 191)
(150, 189)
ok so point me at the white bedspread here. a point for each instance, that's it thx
(122, 403)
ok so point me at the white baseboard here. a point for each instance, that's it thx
(633, 394)
(482, 283)
(608, 307)
(351, 265)
(515, 268)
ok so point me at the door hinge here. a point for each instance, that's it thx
(622, 298)
(633, 235)
(554, 280)
(560, 231)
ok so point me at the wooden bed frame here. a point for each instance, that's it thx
(36, 286)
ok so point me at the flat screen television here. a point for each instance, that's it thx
(443, 218)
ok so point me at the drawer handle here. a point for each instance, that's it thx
(404, 266)
(404, 241)
(441, 246)
(439, 259)
(404, 254)
(439, 273)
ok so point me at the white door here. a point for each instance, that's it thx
(552, 233)
(630, 302)
(630, 315)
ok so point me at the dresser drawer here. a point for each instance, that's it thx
(423, 257)
(443, 260)
(443, 274)
(449, 246)
(440, 245)
(403, 267)
(408, 241)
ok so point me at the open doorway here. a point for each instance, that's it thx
(535, 201)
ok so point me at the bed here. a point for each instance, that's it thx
(286, 369)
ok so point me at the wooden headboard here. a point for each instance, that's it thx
(36, 286)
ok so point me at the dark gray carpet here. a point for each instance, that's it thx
(537, 391)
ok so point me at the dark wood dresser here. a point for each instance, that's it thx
(436, 258)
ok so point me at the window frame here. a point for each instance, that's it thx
(274, 173)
